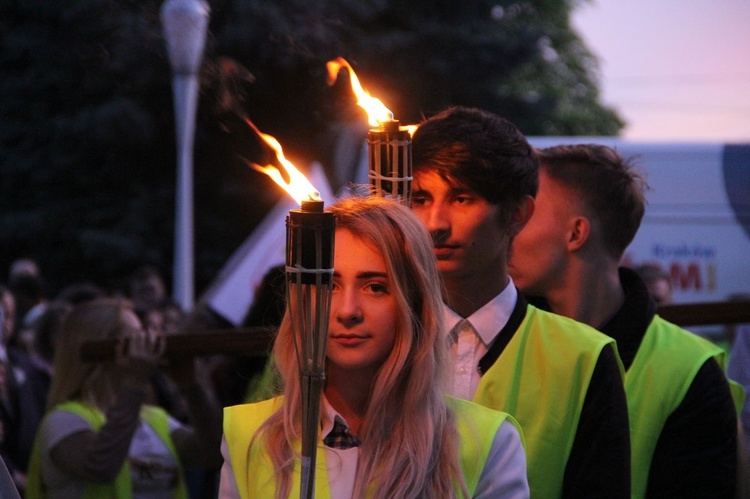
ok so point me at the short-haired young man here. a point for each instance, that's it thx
(475, 178)
(683, 421)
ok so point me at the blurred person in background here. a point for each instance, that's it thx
(244, 378)
(173, 316)
(147, 288)
(44, 333)
(683, 419)
(23, 266)
(738, 369)
(23, 395)
(99, 438)
(658, 283)
(80, 292)
(31, 298)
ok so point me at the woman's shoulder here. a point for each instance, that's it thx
(256, 408)
(257, 411)
(242, 421)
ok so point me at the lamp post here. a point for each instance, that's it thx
(184, 23)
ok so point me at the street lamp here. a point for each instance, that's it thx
(184, 23)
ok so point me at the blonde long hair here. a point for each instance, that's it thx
(93, 383)
(409, 437)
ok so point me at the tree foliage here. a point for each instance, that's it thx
(87, 148)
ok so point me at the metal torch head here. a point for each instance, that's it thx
(309, 244)
(310, 235)
(389, 148)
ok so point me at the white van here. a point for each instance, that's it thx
(697, 221)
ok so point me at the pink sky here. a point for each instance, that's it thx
(673, 69)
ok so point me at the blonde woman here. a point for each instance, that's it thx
(98, 438)
(387, 430)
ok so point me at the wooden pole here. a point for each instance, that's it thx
(240, 341)
(707, 313)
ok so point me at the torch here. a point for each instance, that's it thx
(388, 143)
(309, 270)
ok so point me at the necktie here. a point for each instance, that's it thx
(462, 325)
(339, 437)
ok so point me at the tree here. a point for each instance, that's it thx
(87, 147)
(87, 136)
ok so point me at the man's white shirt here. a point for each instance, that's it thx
(475, 336)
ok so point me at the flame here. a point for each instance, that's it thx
(298, 186)
(410, 128)
(377, 113)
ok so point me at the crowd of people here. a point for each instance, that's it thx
(73, 434)
(485, 342)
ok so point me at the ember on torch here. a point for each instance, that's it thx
(388, 143)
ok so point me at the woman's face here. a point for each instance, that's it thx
(362, 329)
(131, 324)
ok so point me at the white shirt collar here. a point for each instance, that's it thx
(328, 416)
(490, 318)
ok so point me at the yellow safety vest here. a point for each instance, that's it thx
(542, 378)
(656, 383)
(121, 488)
(255, 474)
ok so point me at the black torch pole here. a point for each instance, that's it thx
(309, 270)
(389, 148)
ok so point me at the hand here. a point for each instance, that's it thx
(138, 355)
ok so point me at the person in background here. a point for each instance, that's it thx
(31, 298)
(22, 266)
(475, 178)
(388, 430)
(98, 439)
(23, 394)
(45, 329)
(244, 378)
(658, 283)
(738, 369)
(173, 316)
(682, 417)
(146, 288)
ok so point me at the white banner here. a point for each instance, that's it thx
(233, 290)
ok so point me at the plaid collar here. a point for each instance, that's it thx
(339, 436)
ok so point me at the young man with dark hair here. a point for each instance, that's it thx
(475, 178)
(683, 422)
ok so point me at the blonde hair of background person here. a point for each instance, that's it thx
(409, 439)
(96, 383)
(117, 389)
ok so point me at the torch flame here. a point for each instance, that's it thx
(410, 129)
(377, 113)
(298, 186)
